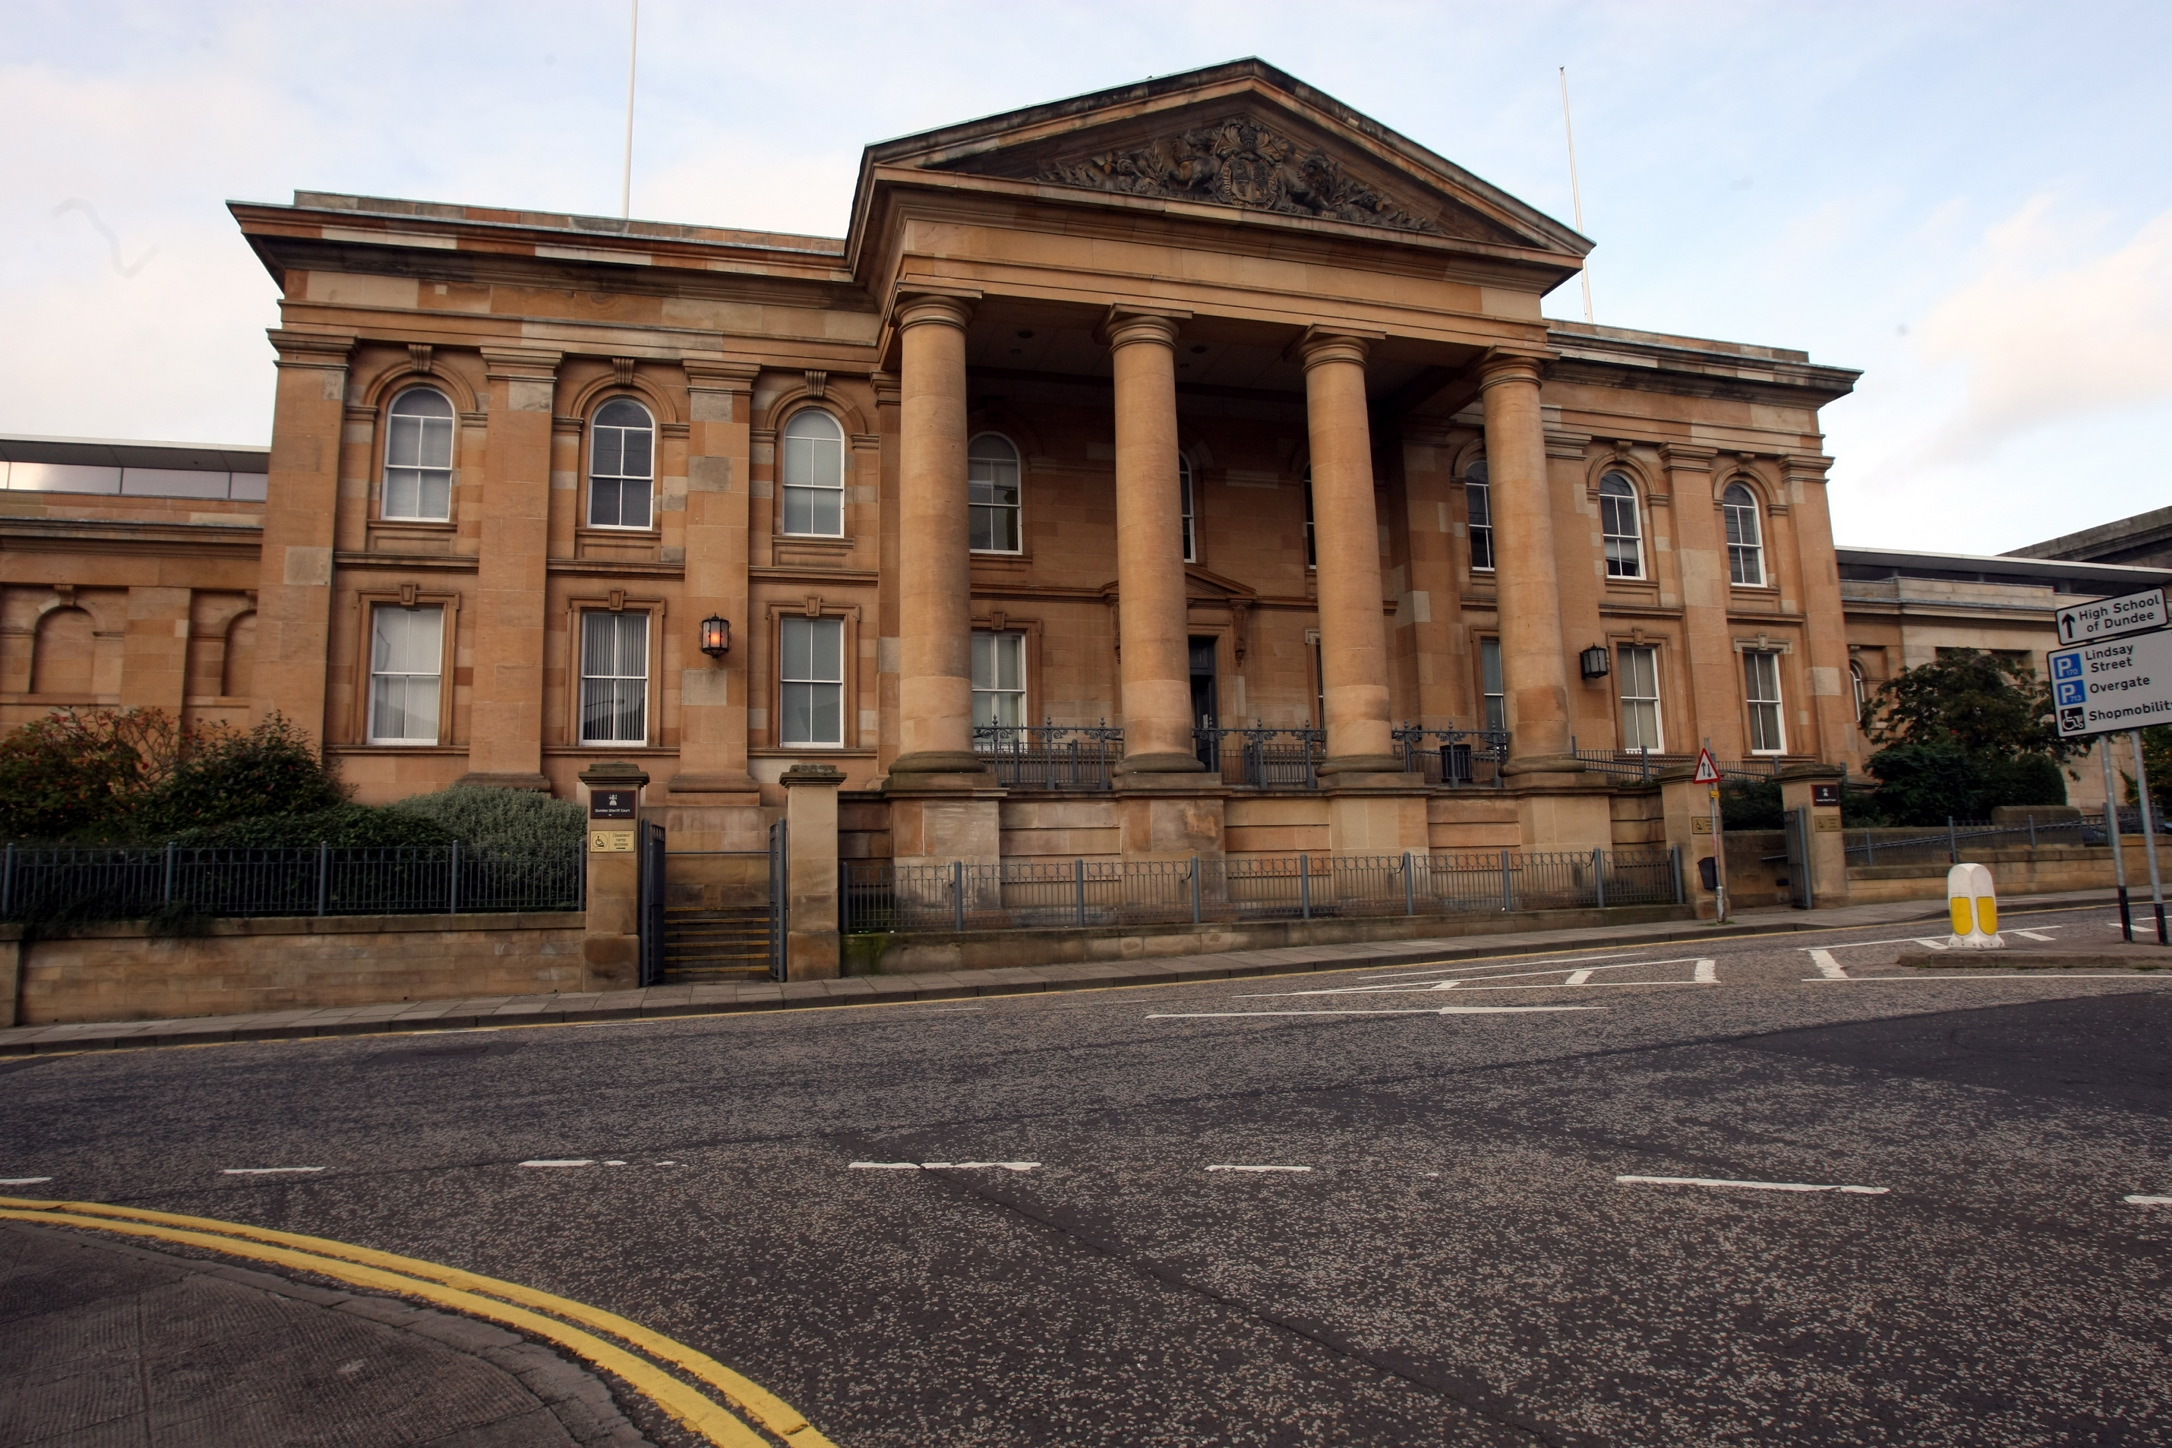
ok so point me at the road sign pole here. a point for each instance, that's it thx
(1708, 770)
(2111, 825)
(2149, 836)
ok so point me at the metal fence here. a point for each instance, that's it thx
(1454, 756)
(131, 883)
(1050, 756)
(1960, 838)
(1641, 764)
(1081, 894)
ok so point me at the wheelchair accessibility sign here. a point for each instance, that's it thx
(2102, 687)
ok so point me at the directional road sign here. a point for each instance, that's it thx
(2119, 684)
(1707, 768)
(2111, 618)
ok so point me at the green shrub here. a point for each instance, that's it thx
(1924, 784)
(1752, 805)
(222, 777)
(341, 825)
(78, 774)
(501, 821)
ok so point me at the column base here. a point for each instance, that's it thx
(1543, 764)
(1361, 764)
(1159, 764)
(534, 783)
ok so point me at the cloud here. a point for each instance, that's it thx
(2051, 328)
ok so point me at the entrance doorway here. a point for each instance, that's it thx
(1206, 705)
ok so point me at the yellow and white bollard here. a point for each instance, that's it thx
(1973, 901)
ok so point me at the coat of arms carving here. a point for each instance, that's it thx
(1238, 162)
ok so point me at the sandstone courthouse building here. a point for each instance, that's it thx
(1202, 402)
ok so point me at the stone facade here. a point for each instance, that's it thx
(1106, 411)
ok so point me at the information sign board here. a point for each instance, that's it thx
(2119, 684)
(2111, 618)
(613, 804)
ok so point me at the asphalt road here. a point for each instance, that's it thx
(1052, 1219)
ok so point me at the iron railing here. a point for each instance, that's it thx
(1641, 764)
(1082, 894)
(73, 883)
(1050, 756)
(1959, 838)
(1263, 756)
(1454, 756)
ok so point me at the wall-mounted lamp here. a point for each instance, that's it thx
(1595, 661)
(716, 636)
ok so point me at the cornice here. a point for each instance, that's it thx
(121, 535)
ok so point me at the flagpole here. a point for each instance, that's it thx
(1576, 190)
(633, 56)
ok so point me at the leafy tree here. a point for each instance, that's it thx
(1962, 735)
(501, 821)
(73, 773)
(2157, 756)
(222, 776)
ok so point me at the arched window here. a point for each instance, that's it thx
(1184, 492)
(1619, 529)
(419, 457)
(992, 471)
(621, 465)
(1745, 539)
(1478, 497)
(814, 475)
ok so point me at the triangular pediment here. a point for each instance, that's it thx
(1242, 136)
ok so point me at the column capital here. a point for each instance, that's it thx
(937, 308)
(1322, 343)
(1805, 467)
(889, 389)
(1501, 364)
(1124, 326)
(311, 349)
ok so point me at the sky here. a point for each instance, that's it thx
(1971, 203)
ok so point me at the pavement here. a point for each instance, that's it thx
(1759, 1188)
(659, 1002)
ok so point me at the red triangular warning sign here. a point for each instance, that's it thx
(1707, 768)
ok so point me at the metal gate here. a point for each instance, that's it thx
(1802, 892)
(650, 921)
(780, 896)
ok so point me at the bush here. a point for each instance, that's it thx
(274, 769)
(341, 825)
(501, 821)
(1752, 805)
(1924, 784)
(77, 774)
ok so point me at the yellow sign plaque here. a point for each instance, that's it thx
(606, 842)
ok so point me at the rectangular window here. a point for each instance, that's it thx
(1495, 693)
(407, 659)
(622, 470)
(812, 675)
(418, 467)
(991, 467)
(1479, 496)
(813, 470)
(999, 679)
(1761, 689)
(1184, 489)
(614, 678)
(1312, 552)
(1640, 698)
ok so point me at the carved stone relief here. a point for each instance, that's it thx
(1238, 162)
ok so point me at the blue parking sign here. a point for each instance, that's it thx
(2073, 691)
(2066, 666)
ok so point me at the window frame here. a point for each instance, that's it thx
(1188, 503)
(451, 469)
(1736, 550)
(373, 609)
(1016, 640)
(1492, 704)
(581, 676)
(786, 487)
(1016, 509)
(1752, 704)
(1611, 506)
(595, 426)
(1629, 703)
(1478, 486)
(842, 683)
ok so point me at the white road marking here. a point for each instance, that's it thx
(1411, 1011)
(569, 1161)
(1828, 968)
(1259, 1168)
(940, 1165)
(1463, 980)
(22, 1181)
(1707, 973)
(2033, 977)
(1489, 965)
(663, 1163)
(266, 1170)
(1752, 1186)
(614, 1163)
(1933, 944)
(2139, 1201)
(1577, 977)
(2030, 934)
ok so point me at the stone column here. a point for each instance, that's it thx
(1815, 788)
(714, 694)
(611, 945)
(1155, 653)
(1533, 668)
(811, 939)
(936, 611)
(506, 717)
(294, 586)
(1346, 545)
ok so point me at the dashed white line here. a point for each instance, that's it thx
(941, 1165)
(1661, 1181)
(1407, 1011)
(1828, 968)
(2031, 934)
(560, 1161)
(1577, 977)
(22, 1181)
(267, 1170)
(2138, 1201)
(1707, 973)
(1229, 1167)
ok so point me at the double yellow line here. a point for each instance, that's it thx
(717, 1403)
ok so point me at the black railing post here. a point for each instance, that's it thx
(1410, 884)
(1598, 874)
(452, 894)
(1674, 854)
(1953, 843)
(1195, 889)
(1508, 886)
(1304, 885)
(957, 894)
(1078, 874)
(7, 882)
(324, 876)
(165, 892)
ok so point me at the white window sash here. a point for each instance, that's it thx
(407, 661)
(614, 678)
(999, 679)
(811, 683)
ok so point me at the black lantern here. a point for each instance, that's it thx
(1594, 661)
(716, 636)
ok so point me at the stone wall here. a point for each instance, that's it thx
(117, 972)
